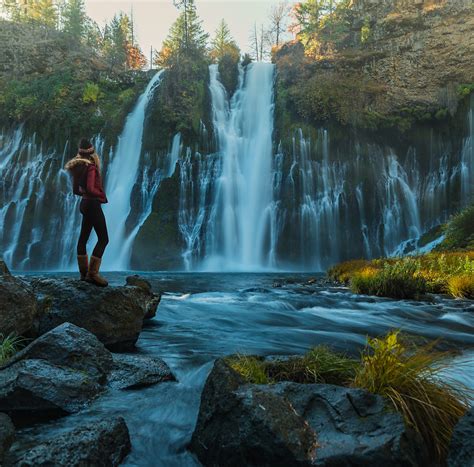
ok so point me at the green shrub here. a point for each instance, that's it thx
(91, 93)
(250, 368)
(9, 346)
(410, 378)
(459, 231)
(398, 280)
(319, 365)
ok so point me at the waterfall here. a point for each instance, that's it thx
(467, 159)
(241, 221)
(121, 178)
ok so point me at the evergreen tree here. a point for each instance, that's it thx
(186, 37)
(74, 20)
(223, 43)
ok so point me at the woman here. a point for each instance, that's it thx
(87, 182)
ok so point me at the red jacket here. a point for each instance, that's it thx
(86, 179)
(94, 188)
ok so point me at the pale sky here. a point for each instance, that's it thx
(153, 18)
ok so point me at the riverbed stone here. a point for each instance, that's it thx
(7, 435)
(97, 443)
(298, 424)
(113, 314)
(461, 448)
(18, 305)
(72, 347)
(36, 389)
(245, 425)
(136, 371)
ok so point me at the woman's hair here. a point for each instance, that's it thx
(84, 143)
(87, 149)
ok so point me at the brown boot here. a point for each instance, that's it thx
(93, 275)
(83, 263)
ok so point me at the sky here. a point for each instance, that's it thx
(153, 18)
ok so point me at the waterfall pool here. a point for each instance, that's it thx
(206, 315)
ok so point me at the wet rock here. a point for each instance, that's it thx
(7, 435)
(298, 424)
(73, 347)
(461, 449)
(18, 305)
(353, 426)
(99, 443)
(244, 425)
(150, 300)
(136, 371)
(36, 389)
(114, 314)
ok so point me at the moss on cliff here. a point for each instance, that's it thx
(159, 245)
(180, 104)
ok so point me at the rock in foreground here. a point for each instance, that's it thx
(296, 424)
(136, 371)
(18, 305)
(101, 443)
(72, 347)
(114, 314)
(7, 434)
(461, 449)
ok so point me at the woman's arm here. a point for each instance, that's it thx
(91, 182)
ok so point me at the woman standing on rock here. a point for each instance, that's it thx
(87, 182)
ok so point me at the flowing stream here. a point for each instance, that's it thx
(204, 316)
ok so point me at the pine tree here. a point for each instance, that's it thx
(74, 20)
(223, 43)
(186, 37)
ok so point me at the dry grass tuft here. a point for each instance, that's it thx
(410, 378)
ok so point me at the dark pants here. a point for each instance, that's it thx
(92, 218)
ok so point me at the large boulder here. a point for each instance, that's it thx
(244, 425)
(136, 371)
(70, 346)
(99, 443)
(114, 314)
(18, 305)
(7, 434)
(36, 389)
(461, 449)
(297, 424)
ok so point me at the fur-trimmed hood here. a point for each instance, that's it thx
(77, 161)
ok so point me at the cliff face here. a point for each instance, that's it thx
(422, 49)
(401, 62)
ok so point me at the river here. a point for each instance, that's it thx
(203, 316)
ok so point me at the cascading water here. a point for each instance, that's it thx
(240, 224)
(120, 181)
(250, 204)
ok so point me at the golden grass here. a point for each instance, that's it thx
(410, 378)
(461, 286)
(398, 277)
(409, 375)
